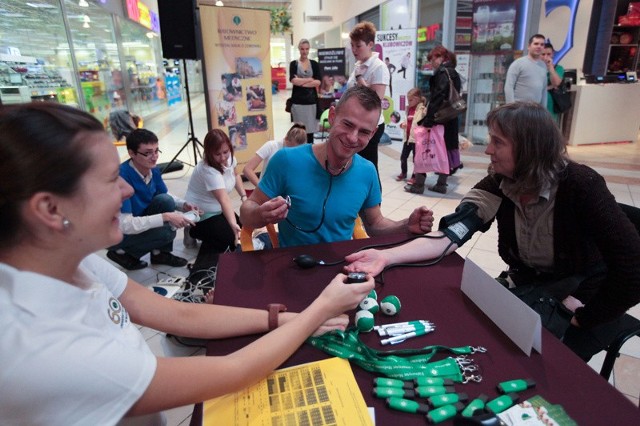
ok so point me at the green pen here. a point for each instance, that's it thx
(432, 381)
(427, 391)
(443, 413)
(447, 398)
(477, 404)
(501, 403)
(407, 405)
(517, 385)
(384, 382)
(381, 392)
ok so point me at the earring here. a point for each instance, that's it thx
(66, 224)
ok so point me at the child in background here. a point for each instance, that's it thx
(295, 136)
(416, 111)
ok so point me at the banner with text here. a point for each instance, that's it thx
(238, 70)
(331, 61)
(397, 48)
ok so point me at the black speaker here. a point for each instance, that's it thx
(178, 28)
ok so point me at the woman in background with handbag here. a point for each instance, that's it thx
(304, 74)
(443, 64)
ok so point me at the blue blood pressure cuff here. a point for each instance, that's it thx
(462, 224)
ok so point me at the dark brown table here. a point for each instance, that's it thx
(255, 279)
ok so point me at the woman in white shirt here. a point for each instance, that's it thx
(297, 135)
(371, 72)
(69, 338)
(212, 180)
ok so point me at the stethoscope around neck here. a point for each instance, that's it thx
(324, 203)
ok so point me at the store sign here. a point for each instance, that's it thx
(140, 13)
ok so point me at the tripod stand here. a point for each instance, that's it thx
(192, 140)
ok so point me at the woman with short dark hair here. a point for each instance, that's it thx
(69, 342)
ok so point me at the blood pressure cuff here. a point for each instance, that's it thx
(462, 224)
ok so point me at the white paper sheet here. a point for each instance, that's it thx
(518, 321)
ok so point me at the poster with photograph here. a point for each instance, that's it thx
(494, 24)
(397, 48)
(256, 99)
(236, 55)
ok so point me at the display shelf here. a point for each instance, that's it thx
(486, 91)
(623, 49)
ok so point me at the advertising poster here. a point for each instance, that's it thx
(332, 61)
(494, 24)
(397, 48)
(238, 69)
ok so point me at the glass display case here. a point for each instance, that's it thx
(486, 91)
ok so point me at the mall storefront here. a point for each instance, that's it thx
(83, 53)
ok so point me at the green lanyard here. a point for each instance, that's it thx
(404, 364)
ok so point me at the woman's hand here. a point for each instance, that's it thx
(236, 230)
(339, 297)
(336, 323)
(571, 303)
(370, 261)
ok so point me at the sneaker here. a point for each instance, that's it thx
(126, 260)
(165, 258)
(411, 181)
(441, 188)
(188, 240)
(400, 177)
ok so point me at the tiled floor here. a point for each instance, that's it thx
(618, 163)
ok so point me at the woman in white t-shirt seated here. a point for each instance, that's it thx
(69, 346)
(212, 180)
(295, 136)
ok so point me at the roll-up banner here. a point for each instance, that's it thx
(238, 74)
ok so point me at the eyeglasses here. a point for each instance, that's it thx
(150, 153)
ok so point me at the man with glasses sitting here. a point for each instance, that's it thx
(148, 219)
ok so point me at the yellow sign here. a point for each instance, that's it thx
(238, 71)
(318, 393)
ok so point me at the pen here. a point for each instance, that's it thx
(401, 338)
(398, 324)
(385, 330)
(403, 330)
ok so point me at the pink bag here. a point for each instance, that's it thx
(431, 151)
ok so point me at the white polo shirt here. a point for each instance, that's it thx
(70, 355)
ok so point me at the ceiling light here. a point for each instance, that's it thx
(83, 3)
(219, 3)
(86, 19)
(86, 25)
(151, 34)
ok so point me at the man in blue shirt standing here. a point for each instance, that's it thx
(148, 219)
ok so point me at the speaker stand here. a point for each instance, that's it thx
(192, 140)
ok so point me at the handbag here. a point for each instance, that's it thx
(287, 105)
(561, 98)
(451, 107)
(431, 151)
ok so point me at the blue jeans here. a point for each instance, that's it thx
(137, 245)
